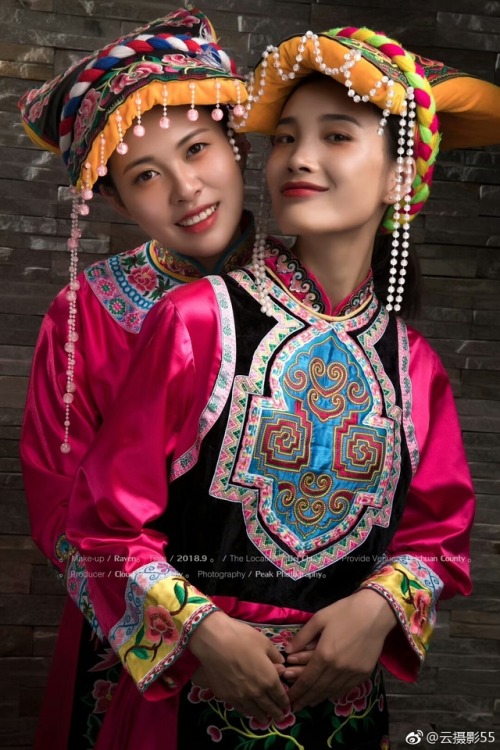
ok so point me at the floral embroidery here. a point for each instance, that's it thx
(288, 720)
(64, 549)
(215, 733)
(103, 693)
(144, 279)
(100, 694)
(142, 70)
(129, 284)
(418, 619)
(355, 700)
(243, 727)
(412, 589)
(86, 112)
(160, 626)
(105, 288)
(150, 637)
(357, 712)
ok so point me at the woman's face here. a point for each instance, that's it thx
(182, 185)
(329, 172)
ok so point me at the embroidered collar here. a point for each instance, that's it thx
(184, 267)
(307, 289)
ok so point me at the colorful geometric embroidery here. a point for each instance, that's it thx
(129, 284)
(218, 396)
(329, 508)
(77, 586)
(406, 394)
(290, 270)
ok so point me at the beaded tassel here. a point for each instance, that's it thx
(404, 169)
(122, 147)
(217, 113)
(139, 129)
(232, 143)
(164, 120)
(79, 208)
(193, 113)
(259, 249)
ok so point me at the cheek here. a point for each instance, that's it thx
(272, 172)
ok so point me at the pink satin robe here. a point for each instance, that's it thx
(122, 490)
(114, 297)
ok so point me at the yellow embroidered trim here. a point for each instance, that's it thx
(411, 601)
(172, 609)
(329, 318)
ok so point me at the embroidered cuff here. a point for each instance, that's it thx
(412, 589)
(77, 586)
(163, 610)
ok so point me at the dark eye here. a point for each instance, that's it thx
(337, 137)
(145, 176)
(281, 138)
(196, 148)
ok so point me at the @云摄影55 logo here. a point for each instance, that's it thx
(414, 738)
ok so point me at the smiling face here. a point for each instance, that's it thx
(329, 172)
(182, 185)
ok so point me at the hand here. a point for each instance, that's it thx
(349, 637)
(241, 666)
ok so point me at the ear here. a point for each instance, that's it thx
(410, 170)
(112, 197)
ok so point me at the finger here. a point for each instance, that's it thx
(306, 635)
(273, 653)
(310, 685)
(252, 709)
(275, 705)
(291, 675)
(300, 658)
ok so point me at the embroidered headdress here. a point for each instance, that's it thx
(84, 113)
(377, 69)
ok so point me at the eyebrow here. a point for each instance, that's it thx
(323, 118)
(148, 159)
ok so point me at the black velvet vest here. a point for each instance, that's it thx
(297, 490)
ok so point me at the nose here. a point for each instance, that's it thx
(302, 157)
(186, 185)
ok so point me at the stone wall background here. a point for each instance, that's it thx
(458, 241)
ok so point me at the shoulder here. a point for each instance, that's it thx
(424, 359)
(193, 307)
(128, 285)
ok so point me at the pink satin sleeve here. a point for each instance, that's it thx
(121, 489)
(47, 473)
(429, 552)
(440, 506)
